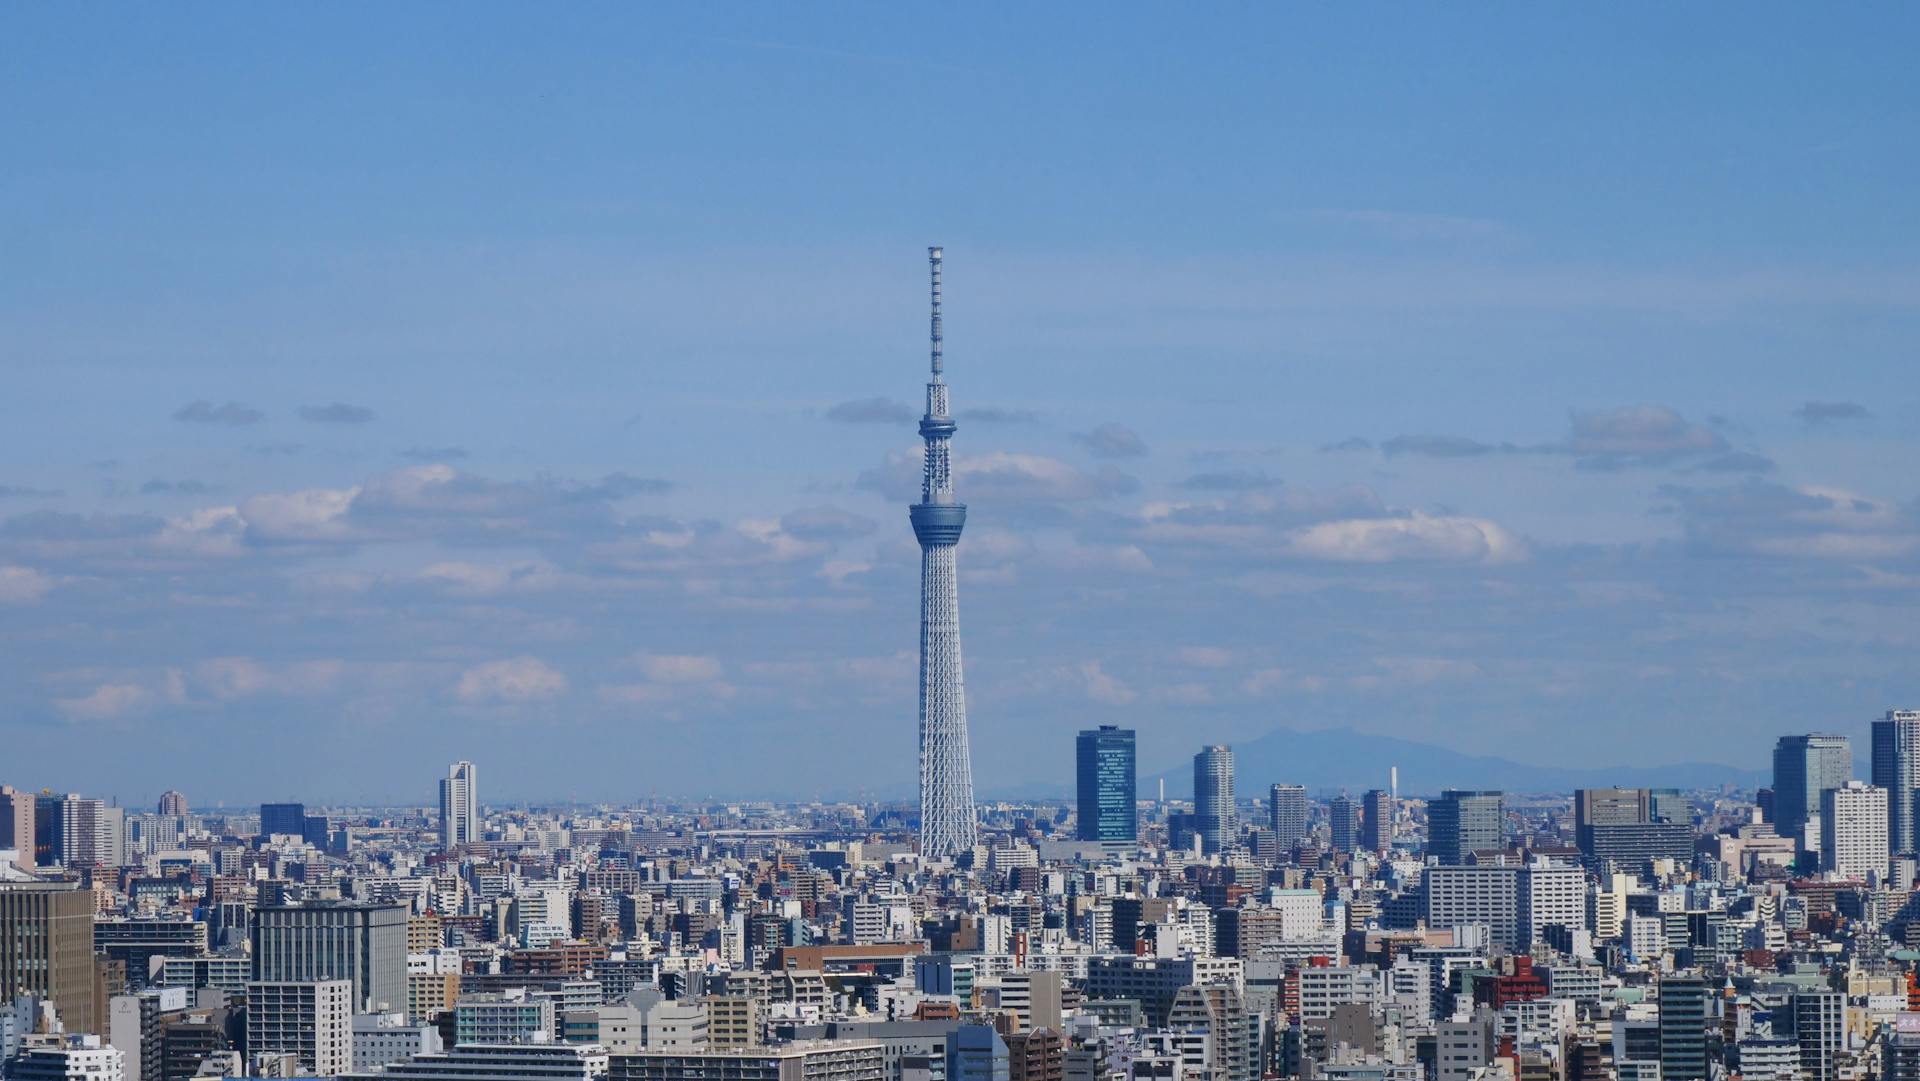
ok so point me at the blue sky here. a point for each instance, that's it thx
(387, 387)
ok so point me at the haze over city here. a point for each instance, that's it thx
(389, 391)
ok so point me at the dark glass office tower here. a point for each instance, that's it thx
(1461, 823)
(283, 818)
(1105, 763)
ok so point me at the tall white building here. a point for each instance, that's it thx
(311, 1021)
(459, 806)
(1853, 830)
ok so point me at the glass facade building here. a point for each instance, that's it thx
(1105, 764)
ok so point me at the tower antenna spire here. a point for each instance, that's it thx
(947, 823)
(934, 256)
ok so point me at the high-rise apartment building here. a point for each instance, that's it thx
(1463, 822)
(1683, 1028)
(172, 803)
(1104, 763)
(1343, 821)
(312, 1021)
(1853, 830)
(459, 806)
(46, 949)
(1896, 768)
(1213, 804)
(1287, 814)
(1376, 820)
(365, 944)
(1803, 768)
(16, 825)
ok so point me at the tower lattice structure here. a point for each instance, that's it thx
(947, 824)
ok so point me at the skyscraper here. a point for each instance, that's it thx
(1213, 817)
(1803, 768)
(1376, 820)
(1896, 768)
(172, 803)
(1462, 822)
(1104, 758)
(1343, 822)
(459, 806)
(283, 819)
(1287, 814)
(947, 823)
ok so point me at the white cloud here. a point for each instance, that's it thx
(310, 515)
(23, 585)
(1104, 688)
(1418, 537)
(1203, 656)
(514, 679)
(680, 668)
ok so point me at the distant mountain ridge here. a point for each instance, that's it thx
(1333, 759)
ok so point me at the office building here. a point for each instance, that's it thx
(977, 1053)
(173, 804)
(1462, 822)
(1804, 767)
(310, 1020)
(1515, 903)
(947, 823)
(1376, 820)
(807, 1060)
(46, 949)
(483, 1062)
(1853, 831)
(135, 943)
(460, 806)
(509, 1016)
(77, 1057)
(1896, 768)
(1287, 814)
(16, 826)
(1213, 805)
(335, 940)
(1104, 764)
(283, 820)
(380, 1038)
(1343, 820)
(1626, 828)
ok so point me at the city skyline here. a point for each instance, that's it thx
(1316, 384)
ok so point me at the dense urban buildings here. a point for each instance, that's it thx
(1623, 932)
